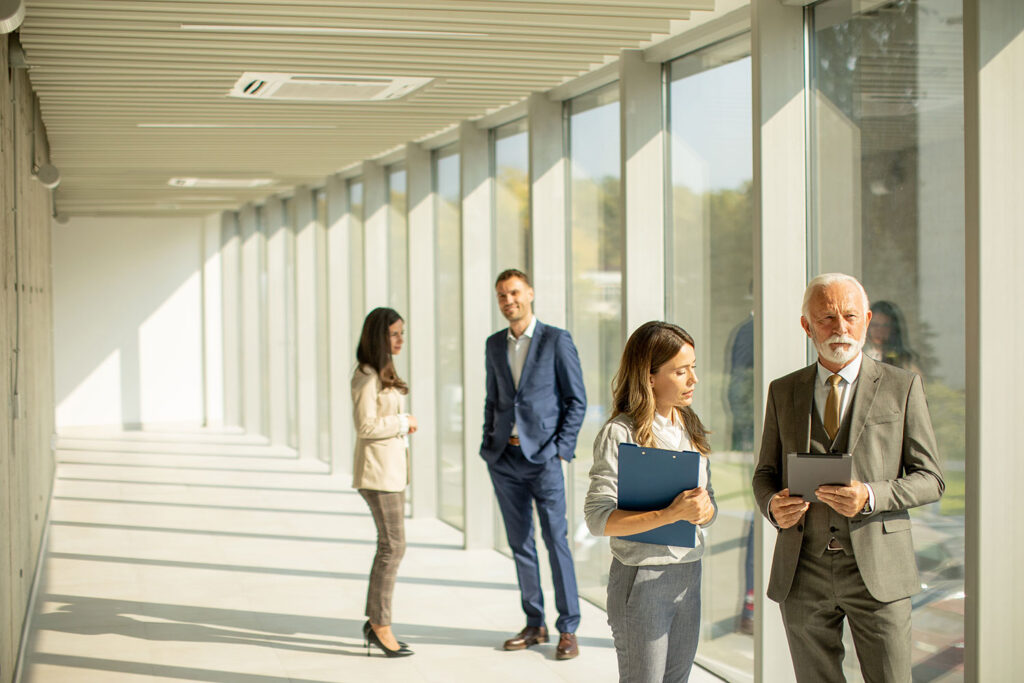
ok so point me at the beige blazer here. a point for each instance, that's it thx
(894, 451)
(381, 459)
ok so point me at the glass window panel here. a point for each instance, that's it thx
(710, 248)
(323, 389)
(448, 215)
(398, 257)
(512, 249)
(887, 201)
(291, 343)
(357, 300)
(595, 305)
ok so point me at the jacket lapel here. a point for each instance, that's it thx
(867, 387)
(531, 354)
(499, 349)
(803, 403)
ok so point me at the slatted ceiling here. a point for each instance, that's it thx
(101, 67)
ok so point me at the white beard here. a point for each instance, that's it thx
(838, 356)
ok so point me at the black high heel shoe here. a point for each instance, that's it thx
(367, 628)
(370, 637)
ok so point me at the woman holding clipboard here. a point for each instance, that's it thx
(653, 590)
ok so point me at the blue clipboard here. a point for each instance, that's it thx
(650, 479)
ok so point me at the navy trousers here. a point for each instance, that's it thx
(517, 484)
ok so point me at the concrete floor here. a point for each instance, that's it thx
(211, 557)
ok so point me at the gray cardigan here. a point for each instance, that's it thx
(603, 498)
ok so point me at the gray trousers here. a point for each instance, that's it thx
(826, 590)
(654, 613)
(388, 510)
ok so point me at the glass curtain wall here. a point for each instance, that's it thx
(448, 217)
(398, 256)
(510, 153)
(357, 301)
(887, 201)
(710, 251)
(595, 306)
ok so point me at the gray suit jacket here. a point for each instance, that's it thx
(894, 452)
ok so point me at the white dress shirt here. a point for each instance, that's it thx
(849, 376)
(518, 348)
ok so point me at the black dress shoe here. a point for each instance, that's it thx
(371, 639)
(531, 635)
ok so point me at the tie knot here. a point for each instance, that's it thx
(834, 380)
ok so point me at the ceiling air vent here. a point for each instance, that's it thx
(320, 88)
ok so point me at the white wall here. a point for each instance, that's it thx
(128, 321)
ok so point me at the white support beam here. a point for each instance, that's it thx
(306, 324)
(231, 261)
(994, 166)
(780, 249)
(280, 323)
(213, 324)
(342, 351)
(548, 214)
(642, 140)
(375, 235)
(422, 331)
(477, 300)
(252, 321)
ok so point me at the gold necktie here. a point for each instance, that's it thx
(832, 407)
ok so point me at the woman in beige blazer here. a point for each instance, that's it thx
(381, 465)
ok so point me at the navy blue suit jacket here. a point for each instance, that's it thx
(549, 406)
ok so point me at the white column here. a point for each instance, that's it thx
(213, 324)
(375, 235)
(341, 348)
(231, 261)
(780, 252)
(642, 141)
(477, 300)
(993, 110)
(422, 331)
(548, 212)
(252, 327)
(280, 300)
(306, 324)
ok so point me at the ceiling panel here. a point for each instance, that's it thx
(108, 72)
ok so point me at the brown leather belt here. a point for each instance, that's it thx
(513, 441)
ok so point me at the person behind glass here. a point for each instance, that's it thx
(653, 590)
(887, 340)
(381, 465)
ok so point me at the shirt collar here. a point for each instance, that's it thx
(664, 422)
(849, 373)
(527, 333)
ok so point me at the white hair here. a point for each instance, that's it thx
(825, 280)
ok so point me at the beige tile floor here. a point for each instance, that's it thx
(210, 557)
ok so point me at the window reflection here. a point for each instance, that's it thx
(447, 208)
(710, 248)
(888, 203)
(595, 311)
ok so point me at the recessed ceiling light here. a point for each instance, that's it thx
(330, 31)
(221, 183)
(268, 126)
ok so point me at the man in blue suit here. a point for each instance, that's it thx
(532, 415)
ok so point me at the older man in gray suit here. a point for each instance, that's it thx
(849, 556)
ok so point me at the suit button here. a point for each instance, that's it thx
(799, 527)
(833, 529)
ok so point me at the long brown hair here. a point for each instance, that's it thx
(652, 345)
(375, 347)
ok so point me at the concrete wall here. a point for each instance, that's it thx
(26, 369)
(128, 302)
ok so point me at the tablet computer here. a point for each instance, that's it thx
(805, 472)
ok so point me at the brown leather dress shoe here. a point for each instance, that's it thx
(531, 635)
(567, 647)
